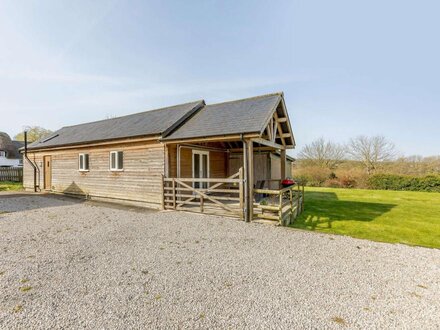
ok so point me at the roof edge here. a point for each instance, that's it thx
(250, 98)
(91, 142)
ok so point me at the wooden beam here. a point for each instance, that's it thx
(251, 179)
(246, 186)
(269, 130)
(255, 149)
(282, 119)
(286, 115)
(283, 164)
(166, 161)
(275, 126)
(268, 143)
(280, 129)
(235, 137)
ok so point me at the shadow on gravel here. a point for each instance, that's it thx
(16, 202)
(324, 208)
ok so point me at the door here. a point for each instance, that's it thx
(47, 172)
(200, 167)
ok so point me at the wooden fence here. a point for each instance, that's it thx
(11, 174)
(282, 205)
(220, 196)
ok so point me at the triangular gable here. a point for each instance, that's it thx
(277, 128)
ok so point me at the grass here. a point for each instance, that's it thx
(8, 186)
(411, 218)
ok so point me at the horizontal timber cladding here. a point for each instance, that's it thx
(140, 180)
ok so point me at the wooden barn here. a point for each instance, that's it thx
(226, 158)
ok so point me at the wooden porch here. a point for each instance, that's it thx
(226, 197)
(234, 174)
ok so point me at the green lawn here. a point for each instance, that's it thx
(6, 185)
(388, 216)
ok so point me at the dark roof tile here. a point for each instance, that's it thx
(154, 122)
(234, 117)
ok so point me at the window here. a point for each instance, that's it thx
(2, 153)
(83, 162)
(116, 161)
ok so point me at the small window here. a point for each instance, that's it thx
(83, 162)
(2, 153)
(116, 160)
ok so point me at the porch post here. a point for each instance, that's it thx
(251, 179)
(245, 185)
(283, 163)
(166, 161)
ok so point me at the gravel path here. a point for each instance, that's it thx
(67, 264)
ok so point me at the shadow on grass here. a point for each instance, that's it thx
(322, 209)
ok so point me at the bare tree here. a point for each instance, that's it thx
(35, 133)
(323, 153)
(371, 151)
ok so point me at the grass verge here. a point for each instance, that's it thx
(10, 186)
(387, 216)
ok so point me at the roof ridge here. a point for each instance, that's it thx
(249, 98)
(136, 113)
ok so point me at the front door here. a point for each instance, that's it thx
(47, 172)
(200, 167)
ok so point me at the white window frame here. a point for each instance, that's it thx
(116, 153)
(200, 152)
(2, 153)
(84, 163)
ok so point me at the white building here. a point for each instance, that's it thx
(9, 152)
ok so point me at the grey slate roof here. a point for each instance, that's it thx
(234, 117)
(154, 122)
(189, 120)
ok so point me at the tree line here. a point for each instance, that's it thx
(326, 163)
(370, 151)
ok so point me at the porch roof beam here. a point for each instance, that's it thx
(236, 137)
(268, 143)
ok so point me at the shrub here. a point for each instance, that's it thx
(348, 182)
(401, 182)
(333, 183)
(313, 176)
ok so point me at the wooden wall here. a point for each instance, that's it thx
(261, 165)
(218, 162)
(276, 167)
(139, 181)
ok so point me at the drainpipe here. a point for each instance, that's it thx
(30, 162)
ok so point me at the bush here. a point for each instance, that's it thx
(348, 182)
(400, 182)
(313, 176)
(333, 183)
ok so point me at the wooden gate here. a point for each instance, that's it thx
(223, 196)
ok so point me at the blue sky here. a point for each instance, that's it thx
(346, 67)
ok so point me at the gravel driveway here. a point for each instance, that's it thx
(71, 264)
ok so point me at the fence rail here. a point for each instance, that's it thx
(282, 205)
(221, 196)
(11, 174)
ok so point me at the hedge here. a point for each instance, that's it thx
(399, 182)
